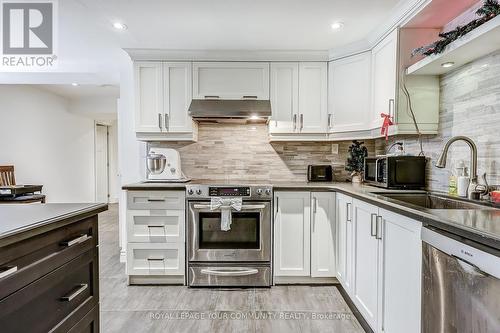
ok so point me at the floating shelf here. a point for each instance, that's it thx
(477, 43)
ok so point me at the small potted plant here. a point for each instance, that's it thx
(355, 160)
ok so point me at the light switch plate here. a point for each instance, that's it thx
(335, 148)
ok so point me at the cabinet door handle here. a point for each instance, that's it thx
(294, 122)
(211, 97)
(330, 120)
(378, 230)
(391, 110)
(167, 121)
(277, 204)
(348, 205)
(301, 121)
(8, 270)
(75, 241)
(81, 288)
(373, 232)
(249, 97)
(156, 200)
(159, 120)
(315, 205)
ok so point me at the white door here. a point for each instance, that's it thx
(343, 218)
(101, 163)
(322, 234)
(292, 227)
(284, 97)
(177, 88)
(384, 76)
(349, 90)
(401, 280)
(366, 245)
(231, 80)
(148, 97)
(313, 97)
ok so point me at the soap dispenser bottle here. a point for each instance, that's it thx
(462, 180)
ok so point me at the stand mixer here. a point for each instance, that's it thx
(164, 165)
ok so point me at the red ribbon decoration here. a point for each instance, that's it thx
(385, 126)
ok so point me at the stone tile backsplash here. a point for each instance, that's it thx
(470, 106)
(234, 152)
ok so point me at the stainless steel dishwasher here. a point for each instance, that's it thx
(460, 285)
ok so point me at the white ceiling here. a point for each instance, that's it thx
(81, 91)
(240, 24)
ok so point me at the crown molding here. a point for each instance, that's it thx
(227, 55)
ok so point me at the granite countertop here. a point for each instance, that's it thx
(16, 219)
(480, 225)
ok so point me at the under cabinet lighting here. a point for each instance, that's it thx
(74, 84)
(119, 26)
(337, 25)
(448, 64)
(254, 117)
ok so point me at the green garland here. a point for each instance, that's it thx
(489, 10)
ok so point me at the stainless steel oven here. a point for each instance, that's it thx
(240, 256)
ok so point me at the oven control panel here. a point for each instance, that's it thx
(253, 192)
(229, 191)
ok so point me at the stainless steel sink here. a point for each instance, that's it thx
(433, 201)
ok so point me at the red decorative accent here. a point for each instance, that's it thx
(385, 125)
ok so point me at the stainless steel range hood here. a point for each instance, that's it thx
(223, 109)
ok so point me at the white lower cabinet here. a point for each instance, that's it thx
(365, 260)
(322, 234)
(379, 264)
(304, 234)
(401, 258)
(155, 259)
(343, 219)
(155, 236)
(292, 234)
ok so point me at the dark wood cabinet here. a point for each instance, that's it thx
(50, 281)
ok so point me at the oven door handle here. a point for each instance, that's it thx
(230, 272)
(243, 207)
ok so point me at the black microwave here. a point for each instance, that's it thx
(396, 172)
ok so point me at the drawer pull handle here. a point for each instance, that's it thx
(81, 288)
(8, 270)
(77, 240)
(212, 97)
(250, 97)
(230, 272)
(156, 226)
(156, 259)
(156, 200)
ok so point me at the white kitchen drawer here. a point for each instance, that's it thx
(156, 200)
(155, 226)
(155, 258)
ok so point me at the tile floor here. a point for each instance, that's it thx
(180, 309)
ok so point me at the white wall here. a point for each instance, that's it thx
(47, 144)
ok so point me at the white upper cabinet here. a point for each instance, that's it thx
(322, 234)
(313, 97)
(365, 261)
(384, 78)
(163, 92)
(231, 80)
(349, 93)
(148, 79)
(292, 237)
(177, 96)
(284, 97)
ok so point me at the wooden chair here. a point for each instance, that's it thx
(7, 178)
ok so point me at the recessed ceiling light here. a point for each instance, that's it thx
(448, 64)
(337, 25)
(119, 26)
(74, 84)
